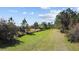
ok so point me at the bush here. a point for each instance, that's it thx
(7, 30)
(62, 30)
(74, 33)
(19, 34)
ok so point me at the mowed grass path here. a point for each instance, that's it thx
(49, 40)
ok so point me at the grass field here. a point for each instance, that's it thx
(49, 40)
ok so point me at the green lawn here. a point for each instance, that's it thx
(49, 40)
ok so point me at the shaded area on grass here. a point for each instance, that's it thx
(30, 33)
(10, 43)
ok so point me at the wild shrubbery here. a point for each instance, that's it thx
(69, 22)
(74, 33)
(7, 31)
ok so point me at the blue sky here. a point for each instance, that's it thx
(32, 14)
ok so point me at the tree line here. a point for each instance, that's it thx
(9, 31)
(68, 22)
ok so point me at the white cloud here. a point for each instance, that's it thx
(32, 13)
(50, 16)
(46, 16)
(45, 7)
(55, 11)
(24, 13)
(13, 11)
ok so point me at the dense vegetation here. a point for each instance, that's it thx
(68, 21)
(9, 31)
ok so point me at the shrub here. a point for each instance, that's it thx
(74, 33)
(19, 34)
(7, 31)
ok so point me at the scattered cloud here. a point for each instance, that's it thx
(55, 11)
(32, 13)
(45, 7)
(13, 11)
(24, 12)
(50, 16)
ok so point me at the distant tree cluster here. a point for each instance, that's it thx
(45, 25)
(68, 20)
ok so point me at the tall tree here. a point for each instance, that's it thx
(12, 28)
(49, 25)
(67, 18)
(43, 25)
(36, 26)
(24, 25)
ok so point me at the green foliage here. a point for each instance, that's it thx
(66, 19)
(24, 26)
(74, 33)
(36, 25)
(43, 25)
(57, 22)
(69, 21)
(50, 25)
(24, 23)
(7, 30)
